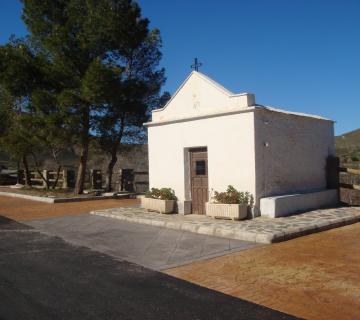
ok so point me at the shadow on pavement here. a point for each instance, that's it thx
(8, 224)
(44, 277)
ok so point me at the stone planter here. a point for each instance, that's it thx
(162, 206)
(230, 211)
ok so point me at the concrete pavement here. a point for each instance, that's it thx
(260, 229)
(154, 247)
(43, 277)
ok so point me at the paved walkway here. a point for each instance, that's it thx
(150, 246)
(23, 210)
(43, 277)
(154, 247)
(314, 277)
(261, 230)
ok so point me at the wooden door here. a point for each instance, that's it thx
(199, 179)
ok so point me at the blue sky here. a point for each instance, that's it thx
(300, 55)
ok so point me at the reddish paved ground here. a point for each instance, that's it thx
(313, 277)
(22, 210)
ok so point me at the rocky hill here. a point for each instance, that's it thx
(348, 146)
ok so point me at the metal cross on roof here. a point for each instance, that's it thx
(196, 65)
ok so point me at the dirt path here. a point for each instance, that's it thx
(22, 210)
(313, 277)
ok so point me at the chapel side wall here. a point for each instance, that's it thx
(291, 153)
(231, 153)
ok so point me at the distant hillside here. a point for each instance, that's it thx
(130, 156)
(348, 146)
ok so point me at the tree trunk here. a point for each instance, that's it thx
(37, 165)
(80, 179)
(44, 178)
(114, 150)
(27, 177)
(109, 171)
(57, 177)
(55, 153)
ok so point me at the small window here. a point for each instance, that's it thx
(200, 167)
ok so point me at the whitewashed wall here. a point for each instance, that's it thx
(262, 151)
(231, 153)
(291, 152)
(199, 95)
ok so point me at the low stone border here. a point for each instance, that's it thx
(261, 230)
(63, 200)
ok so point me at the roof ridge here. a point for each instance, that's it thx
(204, 77)
(213, 82)
(300, 114)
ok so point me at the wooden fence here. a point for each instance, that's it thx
(123, 180)
(66, 178)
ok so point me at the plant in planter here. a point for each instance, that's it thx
(161, 200)
(231, 204)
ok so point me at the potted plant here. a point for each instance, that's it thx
(161, 200)
(231, 204)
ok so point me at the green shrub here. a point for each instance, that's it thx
(233, 196)
(162, 194)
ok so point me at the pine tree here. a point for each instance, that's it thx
(92, 46)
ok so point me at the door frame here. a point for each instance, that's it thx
(188, 176)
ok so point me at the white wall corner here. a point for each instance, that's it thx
(184, 207)
(250, 99)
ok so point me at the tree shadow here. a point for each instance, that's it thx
(9, 224)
